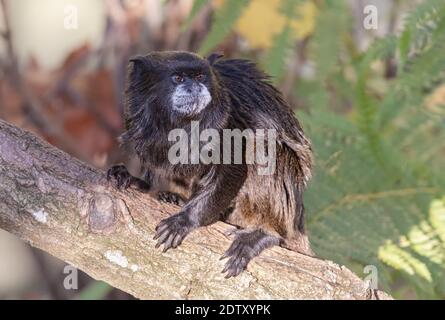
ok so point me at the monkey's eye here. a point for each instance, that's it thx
(178, 79)
(200, 77)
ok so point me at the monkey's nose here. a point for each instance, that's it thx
(193, 88)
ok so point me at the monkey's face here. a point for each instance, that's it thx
(190, 93)
(177, 83)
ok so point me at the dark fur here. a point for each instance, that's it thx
(270, 207)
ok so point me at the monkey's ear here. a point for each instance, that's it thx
(214, 57)
(142, 62)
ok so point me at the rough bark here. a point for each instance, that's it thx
(67, 208)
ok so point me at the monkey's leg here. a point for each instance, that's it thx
(124, 179)
(247, 245)
(214, 193)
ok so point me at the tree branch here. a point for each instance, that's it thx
(66, 208)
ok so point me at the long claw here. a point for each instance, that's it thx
(164, 235)
(226, 267)
(177, 241)
(168, 242)
(225, 255)
(161, 227)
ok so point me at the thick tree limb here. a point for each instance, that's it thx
(66, 208)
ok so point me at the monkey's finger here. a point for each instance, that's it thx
(236, 267)
(235, 259)
(120, 182)
(224, 256)
(226, 267)
(230, 272)
(177, 240)
(162, 237)
(236, 245)
(162, 225)
(124, 183)
(243, 262)
(241, 266)
(161, 231)
(230, 264)
(157, 234)
(168, 242)
(161, 228)
(231, 232)
(236, 252)
(127, 183)
(230, 251)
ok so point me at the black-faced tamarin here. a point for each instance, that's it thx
(169, 90)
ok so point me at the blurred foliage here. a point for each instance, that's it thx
(263, 19)
(97, 290)
(376, 119)
(225, 18)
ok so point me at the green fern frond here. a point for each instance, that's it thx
(424, 69)
(366, 106)
(422, 75)
(421, 252)
(382, 48)
(225, 18)
(420, 70)
(417, 27)
(282, 43)
(355, 208)
(197, 6)
(331, 25)
(281, 47)
(437, 218)
(425, 11)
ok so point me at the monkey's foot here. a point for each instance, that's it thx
(247, 245)
(123, 179)
(171, 197)
(172, 231)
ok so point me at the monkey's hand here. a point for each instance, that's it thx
(214, 194)
(123, 179)
(173, 230)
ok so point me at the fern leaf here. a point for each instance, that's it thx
(415, 23)
(282, 43)
(331, 25)
(225, 18)
(277, 55)
(197, 6)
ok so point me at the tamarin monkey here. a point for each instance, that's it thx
(166, 91)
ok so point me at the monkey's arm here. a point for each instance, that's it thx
(213, 194)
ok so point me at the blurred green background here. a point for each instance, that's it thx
(366, 78)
